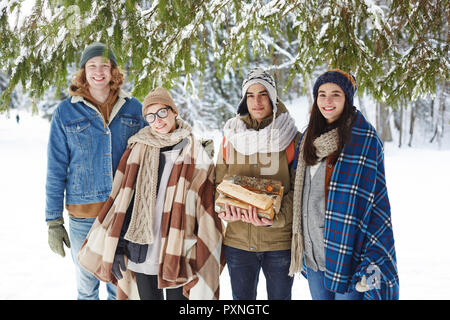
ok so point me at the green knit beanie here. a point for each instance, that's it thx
(95, 49)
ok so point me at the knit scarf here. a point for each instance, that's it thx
(325, 145)
(273, 138)
(148, 143)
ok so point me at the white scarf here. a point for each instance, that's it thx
(273, 138)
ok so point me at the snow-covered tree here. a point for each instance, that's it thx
(397, 49)
(4, 83)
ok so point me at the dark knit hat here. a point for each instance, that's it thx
(96, 49)
(159, 95)
(345, 80)
(258, 75)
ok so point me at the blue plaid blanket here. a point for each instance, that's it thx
(358, 231)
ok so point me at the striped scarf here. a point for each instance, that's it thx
(191, 253)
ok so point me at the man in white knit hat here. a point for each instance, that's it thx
(265, 85)
(259, 142)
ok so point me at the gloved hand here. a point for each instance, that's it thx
(57, 234)
(136, 252)
(118, 264)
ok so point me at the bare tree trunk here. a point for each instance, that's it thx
(439, 124)
(433, 125)
(309, 94)
(442, 108)
(401, 126)
(378, 126)
(398, 122)
(442, 119)
(362, 106)
(435, 134)
(386, 134)
(411, 123)
(432, 110)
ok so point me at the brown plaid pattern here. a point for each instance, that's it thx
(192, 234)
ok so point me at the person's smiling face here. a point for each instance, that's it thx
(98, 73)
(331, 101)
(164, 118)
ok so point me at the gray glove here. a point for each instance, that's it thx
(57, 234)
(137, 252)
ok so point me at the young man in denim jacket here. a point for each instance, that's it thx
(89, 132)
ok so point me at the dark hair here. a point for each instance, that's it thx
(318, 125)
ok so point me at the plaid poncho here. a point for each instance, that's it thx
(358, 232)
(191, 254)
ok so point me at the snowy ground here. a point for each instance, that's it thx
(417, 181)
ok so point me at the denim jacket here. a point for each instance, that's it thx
(83, 154)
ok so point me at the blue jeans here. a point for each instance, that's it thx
(319, 292)
(244, 267)
(87, 284)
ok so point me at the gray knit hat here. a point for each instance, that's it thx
(96, 49)
(258, 75)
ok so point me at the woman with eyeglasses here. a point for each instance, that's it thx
(160, 220)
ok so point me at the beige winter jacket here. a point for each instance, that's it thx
(245, 236)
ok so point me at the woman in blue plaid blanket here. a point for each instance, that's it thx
(342, 233)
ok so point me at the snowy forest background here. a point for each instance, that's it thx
(398, 51)
(202, 49)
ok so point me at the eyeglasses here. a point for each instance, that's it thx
(161, 113)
